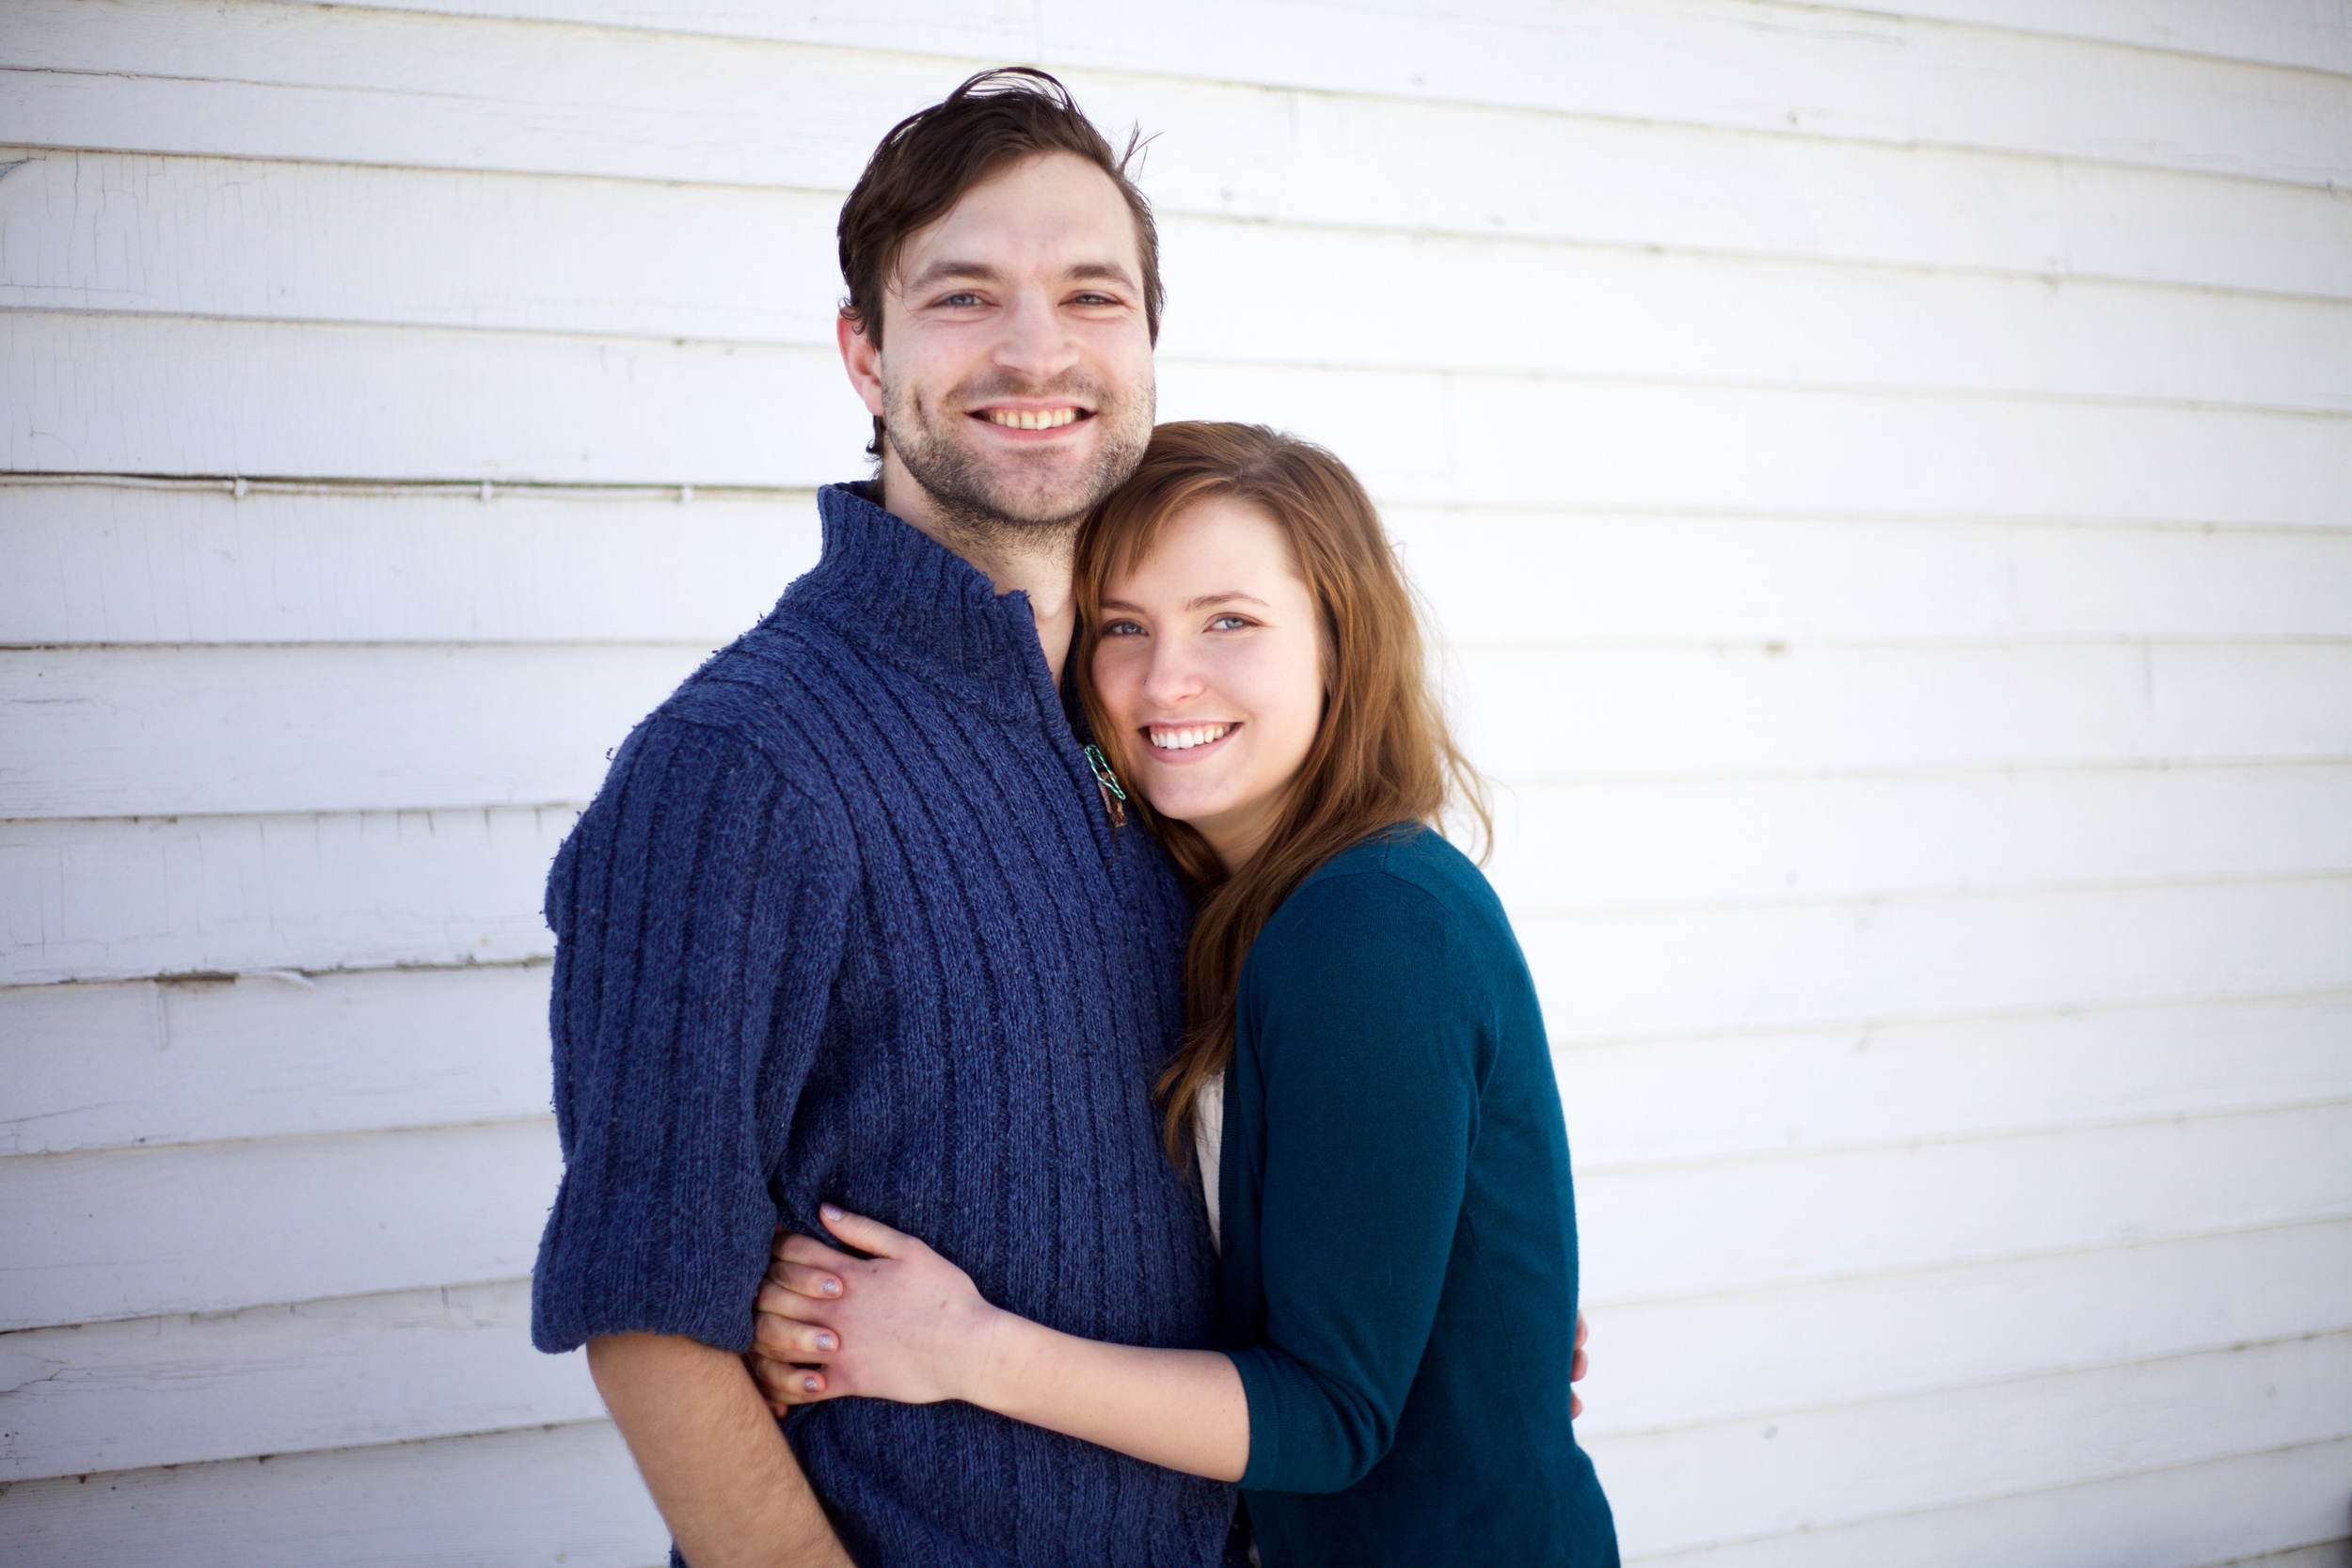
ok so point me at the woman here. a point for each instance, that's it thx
(1365, 1084)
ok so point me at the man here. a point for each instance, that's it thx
(852, 921)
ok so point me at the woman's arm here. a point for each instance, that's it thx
(909, 1325)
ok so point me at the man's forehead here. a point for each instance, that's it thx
(1055, 213)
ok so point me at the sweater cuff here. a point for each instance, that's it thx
(1265, 1439)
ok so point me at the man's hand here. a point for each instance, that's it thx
(903, 1324)
(713, 1457)
(1578, 1364)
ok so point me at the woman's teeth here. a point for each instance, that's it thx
(1032, 419)
(1185, 739)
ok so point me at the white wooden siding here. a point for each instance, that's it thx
(1885, 476)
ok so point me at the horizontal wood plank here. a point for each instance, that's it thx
(197, 397)
(1538, 713)
(1850, 73)
(1694, 1229)
(106, 563)
(92, 729)
(1569, 847)
(291, 241)
(1479, 440)
(96, 563)
(1756, 1354)
(139, 395)
(2230, 1513)
(1507, 577)
(1852, 962)
(376, 889)
(336, 243)
(2267, 32)
(565, 1494)
(236, 895)
(483, 97)
(1821, 1468)
(136, 1233)
(1644, 314)
(2264, 32)
(275, 1380)
(96, 732)
(1647, 1101)
(91, 1066)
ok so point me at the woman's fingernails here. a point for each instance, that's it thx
(809, 1386)
(831, 1287)
(830, 1212)
(825, 1341)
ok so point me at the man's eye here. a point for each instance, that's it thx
(1094, 300)
(960, 299)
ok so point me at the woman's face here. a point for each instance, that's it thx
(1209, 664)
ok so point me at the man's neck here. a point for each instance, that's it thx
(1035, 563)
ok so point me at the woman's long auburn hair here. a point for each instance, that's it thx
(1382, 756)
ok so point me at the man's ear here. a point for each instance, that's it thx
(862, 358)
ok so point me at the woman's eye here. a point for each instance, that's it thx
(1229, 622)
(1123, 628)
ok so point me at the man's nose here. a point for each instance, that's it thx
(1034, 340)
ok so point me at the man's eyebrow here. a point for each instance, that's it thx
(1103, 272)
(950, 267)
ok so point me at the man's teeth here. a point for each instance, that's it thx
(1032, 419)
(1185, 739)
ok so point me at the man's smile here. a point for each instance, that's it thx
(1033, 419)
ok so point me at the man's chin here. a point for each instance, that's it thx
(1022, 497)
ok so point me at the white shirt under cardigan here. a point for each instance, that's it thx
(1208, 1146)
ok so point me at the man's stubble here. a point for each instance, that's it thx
(990, 506)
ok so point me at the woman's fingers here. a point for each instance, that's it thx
(823, 1284)
(784, 1386)
(867, 1236)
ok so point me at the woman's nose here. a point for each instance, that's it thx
(1174, 677)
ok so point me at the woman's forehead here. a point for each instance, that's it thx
(1214, 537)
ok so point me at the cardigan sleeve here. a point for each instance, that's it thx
(1368, 1037)
(698, 908)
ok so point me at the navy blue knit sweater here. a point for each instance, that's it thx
(848, 920)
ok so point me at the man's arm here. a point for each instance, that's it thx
(712, 1456)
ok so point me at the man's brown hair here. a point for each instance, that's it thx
(923, 168)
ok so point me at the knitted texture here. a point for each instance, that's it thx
(848, 922)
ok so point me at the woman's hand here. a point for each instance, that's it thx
(906, 1325)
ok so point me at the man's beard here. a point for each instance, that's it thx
(1013, 502)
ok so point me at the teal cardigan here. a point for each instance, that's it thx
(1399, 1248)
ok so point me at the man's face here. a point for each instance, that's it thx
(1014, 378)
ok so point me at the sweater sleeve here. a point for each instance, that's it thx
(1368, 1039)
(698, 910)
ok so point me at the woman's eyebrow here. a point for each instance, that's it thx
(1205, 600)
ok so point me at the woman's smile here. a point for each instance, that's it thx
(1192, 741)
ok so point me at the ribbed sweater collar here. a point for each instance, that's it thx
(894, 590)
